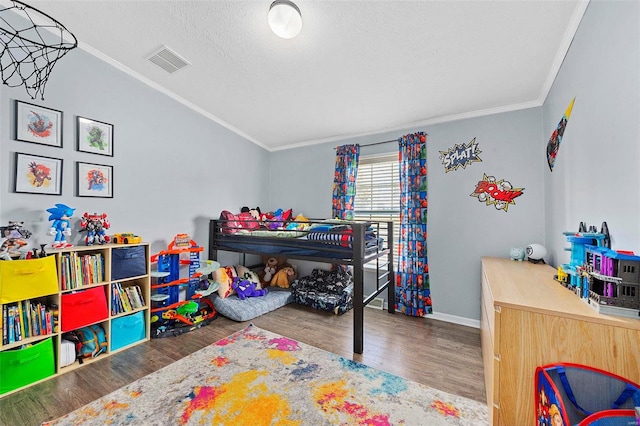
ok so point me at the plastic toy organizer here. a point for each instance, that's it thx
(584, 396)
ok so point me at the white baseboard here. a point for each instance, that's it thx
(454, 319)
(450, 318)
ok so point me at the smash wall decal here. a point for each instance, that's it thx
(499, 193)
(460, 156)
(556, 137)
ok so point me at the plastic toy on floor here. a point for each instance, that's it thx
(180, 304)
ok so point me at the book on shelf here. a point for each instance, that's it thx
(11, 336)
(81, 270)
(125, 298)
(4, 324)
(24, 319)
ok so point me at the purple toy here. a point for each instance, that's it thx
(246, 288)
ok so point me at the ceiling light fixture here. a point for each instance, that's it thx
(285, 19)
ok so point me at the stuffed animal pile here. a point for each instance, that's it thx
(250, 219)
(277, 272)
(245, 279)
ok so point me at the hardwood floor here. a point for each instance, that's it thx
(447, 357)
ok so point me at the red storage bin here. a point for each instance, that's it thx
(82, 308)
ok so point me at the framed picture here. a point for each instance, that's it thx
(38, 124)
(94, 136)
(38, 175)
(94, 180)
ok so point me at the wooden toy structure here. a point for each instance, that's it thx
(608, 280)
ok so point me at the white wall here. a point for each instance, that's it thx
(461, 229)
(174, 169)
(596, 176)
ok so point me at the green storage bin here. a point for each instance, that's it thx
(21, 367)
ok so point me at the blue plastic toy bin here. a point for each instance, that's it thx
(128, 262)
(574, 394)
(127, 330)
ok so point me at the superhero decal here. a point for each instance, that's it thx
(556, 137)
(499, 193)
(460, 156)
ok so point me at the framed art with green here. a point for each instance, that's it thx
(94, 136)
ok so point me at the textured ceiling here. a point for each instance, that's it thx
(357, 68)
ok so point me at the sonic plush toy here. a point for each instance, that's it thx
(60, 215)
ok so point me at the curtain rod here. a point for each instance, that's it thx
(374, 143)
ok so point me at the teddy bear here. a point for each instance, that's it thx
(245, 288)
(270, 269)
(284, 277)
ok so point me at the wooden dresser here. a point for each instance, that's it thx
(529, 320)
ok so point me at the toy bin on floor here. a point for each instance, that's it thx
(83, 307)
(27, 279)
(128, 262)
(574, 394)
(127, 330)
(21, 367)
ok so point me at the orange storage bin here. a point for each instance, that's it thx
(82, 308)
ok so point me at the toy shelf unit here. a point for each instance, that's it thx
(42, 299)
(606, 279)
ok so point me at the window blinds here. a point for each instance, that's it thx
(378, 192)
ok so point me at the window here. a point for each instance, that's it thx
(378, 192)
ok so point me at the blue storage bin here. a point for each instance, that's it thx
(127, 330)
(128, 262)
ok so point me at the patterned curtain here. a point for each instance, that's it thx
(344, 181)
(412, 279)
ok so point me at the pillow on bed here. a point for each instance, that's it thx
(224, 277)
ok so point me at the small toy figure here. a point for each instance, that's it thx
(517, 253)
(95, 225)
(60, 215)
(15, 236)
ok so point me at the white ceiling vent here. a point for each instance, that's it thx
(168, 60)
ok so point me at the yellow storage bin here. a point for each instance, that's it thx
(27, 279)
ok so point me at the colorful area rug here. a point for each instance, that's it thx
(255, 377)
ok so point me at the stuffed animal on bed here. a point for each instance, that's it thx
(245, 288)
(270, 269)
(284, 277)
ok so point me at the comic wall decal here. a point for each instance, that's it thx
(556, 137)
(500, 193)
(460, 156)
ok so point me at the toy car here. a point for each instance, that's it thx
(126, 238)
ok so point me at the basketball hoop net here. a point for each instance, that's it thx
(31, 43)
